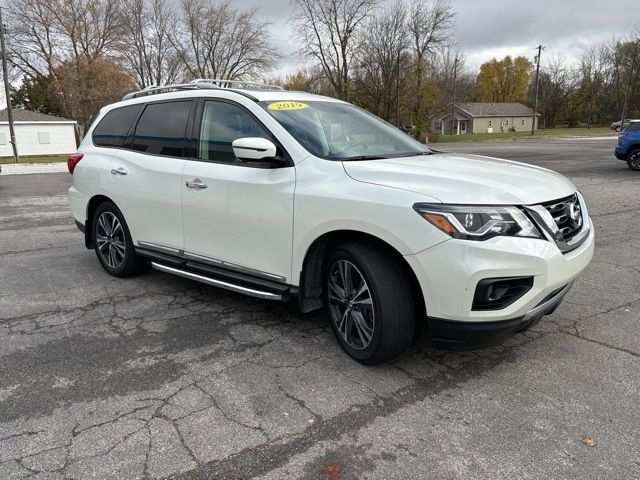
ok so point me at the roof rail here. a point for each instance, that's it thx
(240, 84)
(156, 89)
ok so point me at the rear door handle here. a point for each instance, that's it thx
(118, 171)
(197, 184)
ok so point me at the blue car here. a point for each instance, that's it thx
(628, 148)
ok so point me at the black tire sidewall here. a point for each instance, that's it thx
(128, 266)
(629, 164)
(370, 261)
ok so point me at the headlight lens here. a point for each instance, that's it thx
(478, 222)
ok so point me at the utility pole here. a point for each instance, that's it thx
(591, 82)
(626, 96)
(453, 104)
(398, 90)
(7, 92)
(535, 108)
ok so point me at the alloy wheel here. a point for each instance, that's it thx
(110, 240)
(351, 304)
(634, 160)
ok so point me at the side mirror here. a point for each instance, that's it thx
(253, 148)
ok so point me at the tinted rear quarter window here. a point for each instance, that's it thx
(161, 129)
(112, 129)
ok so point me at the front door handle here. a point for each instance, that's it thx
(197, 184)
(118, 171)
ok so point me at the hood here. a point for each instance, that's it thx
(465, 179)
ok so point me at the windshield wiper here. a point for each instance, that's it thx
(419, 153)
(363, 157)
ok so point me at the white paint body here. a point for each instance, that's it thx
(266, 219)
(61, 137)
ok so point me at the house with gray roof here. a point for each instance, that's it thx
(37, 133)
(478, 117)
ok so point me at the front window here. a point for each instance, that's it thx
(633, 127)
(222, 123)
(339, 131)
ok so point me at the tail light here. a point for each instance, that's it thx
(73, 160)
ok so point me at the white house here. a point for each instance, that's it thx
(37, 134)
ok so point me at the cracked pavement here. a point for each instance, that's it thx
(158, 377)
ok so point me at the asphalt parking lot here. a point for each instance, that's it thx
(156, 376)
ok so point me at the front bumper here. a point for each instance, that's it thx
(620, 153)
(449, 272)
(452, 335)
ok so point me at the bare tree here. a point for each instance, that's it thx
(151, 56)
(76, 39)
(557, 83)
(326, 30)
(431, 25)
(45, 33)
(379, 53)
(220, 41)
(32, 37)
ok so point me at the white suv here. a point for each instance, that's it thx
(280, 195)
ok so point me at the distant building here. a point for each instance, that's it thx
(37, 133)
(477, 117)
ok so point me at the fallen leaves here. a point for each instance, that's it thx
(331, 470)
(589, 442)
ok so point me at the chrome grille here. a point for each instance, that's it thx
(567, 215)
(564, 221)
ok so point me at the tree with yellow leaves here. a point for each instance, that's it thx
(503, 80)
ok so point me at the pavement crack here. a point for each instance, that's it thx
(598, 342)
(15, 435)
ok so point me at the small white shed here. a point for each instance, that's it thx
(37, 134)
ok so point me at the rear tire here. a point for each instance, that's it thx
(369, 302)
(112, 242)
(633, 160)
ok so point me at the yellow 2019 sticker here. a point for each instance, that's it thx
(287, 106)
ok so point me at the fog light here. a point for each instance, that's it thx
(498, 293)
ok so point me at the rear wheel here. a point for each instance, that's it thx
(112, 242)
(369, 303)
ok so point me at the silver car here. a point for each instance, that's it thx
(617, 126)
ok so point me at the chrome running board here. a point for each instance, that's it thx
(217, 283)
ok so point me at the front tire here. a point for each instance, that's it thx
(112, 242)
(633, 161)
(369, 302)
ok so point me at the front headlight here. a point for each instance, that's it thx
(478, 222)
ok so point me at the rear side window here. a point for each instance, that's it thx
(113, 128)
(161, 129)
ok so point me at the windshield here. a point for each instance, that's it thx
(339, 131)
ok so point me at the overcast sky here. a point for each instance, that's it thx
(495, 28)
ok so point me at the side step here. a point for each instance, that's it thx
(217, 283)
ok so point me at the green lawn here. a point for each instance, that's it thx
(552, 132)
(36, 159)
